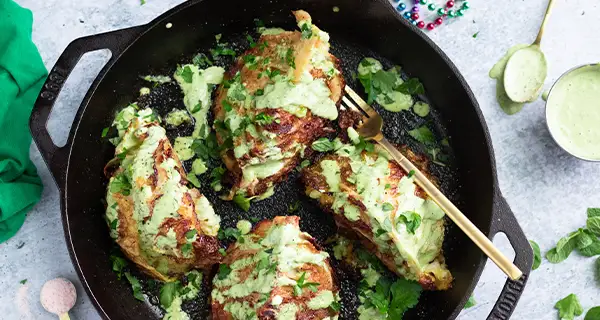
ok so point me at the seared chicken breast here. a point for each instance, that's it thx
(275, 272)
(160, 224)
(278, 98)
(369, 193)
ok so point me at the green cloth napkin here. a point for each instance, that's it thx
(22, 74)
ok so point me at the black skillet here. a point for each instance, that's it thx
(360, 28)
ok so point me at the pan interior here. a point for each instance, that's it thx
(360, 29)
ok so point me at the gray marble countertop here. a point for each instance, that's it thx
(547, 189)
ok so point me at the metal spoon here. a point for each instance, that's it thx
(58, 296)
(526, 69)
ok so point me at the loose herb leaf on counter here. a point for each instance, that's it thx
(537, 256)
(135, 286)
(24, 281)
(569, 307)
(563, 248)
(593, 314)
(470, 303)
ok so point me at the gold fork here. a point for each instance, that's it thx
(370, 129)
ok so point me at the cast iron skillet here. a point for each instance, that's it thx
(360, 24)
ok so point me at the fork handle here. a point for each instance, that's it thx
(454, 213)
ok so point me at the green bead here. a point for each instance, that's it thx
(431, 7)
(422, 1)
(451, 13)
(465, 5)
(460, 12)
(441, 12)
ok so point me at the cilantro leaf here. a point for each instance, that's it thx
(135, 286)
(411, 86)
(224, 234)
(251, 41)
(105, 132)
(263, 119)
(411, 173)
(224, 271)
(411, 219)
(537, 257)
(289, 57)
(201, 60)
(387, 206)
(187, 74)
(186, 249)
(593, 212)
(190, 234)
(196, 108)
(207, 148)
(24, 281)
(322, 145)
(335, 306)
(405, 295)
(593, 224)
(294, 207)
(216, 176)
(563, 248)
(593, 314)
(306, 29)
(301, 284)
(222, 252)
(475, 34)
(242, 202)
(470, 303)
(168, 292)
(569, 307)
(221, 50)
(423, 135)
(120, 184)
(118, 264)
(592, 249)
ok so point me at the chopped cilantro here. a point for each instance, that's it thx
(306, 29)
(197, 107)
(228, 233)
(187, 74)
(105, 132)
(423, 135)
(260, 25)
(118, 265)
(221, 50)
(168, 292)
(289, 57)
(387, 206)
(224, 271)
(411, 86)
(301, 284)
(23, 281)
(201, 60)
(405, 295)
(537, 257)
(304, 163)
(411, 173)
(411, 219)
(335, 306)
(135, 286)
(120, 184)
(470, 303)
(186, 249)
(191, 234)
(206, 148)
(263, 119)
(294, 207)
(263, 45)
(228, 107)
(475, 34)
(113, 224)
(222, 252)
(569, 307)
(322, 145)
(251, 41)
(259, 92)
(242, 202)
(216, 176)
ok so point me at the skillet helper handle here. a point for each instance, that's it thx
(504, 221)
(480, 239)
(56, 157)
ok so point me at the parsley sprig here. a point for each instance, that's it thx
(301, 284)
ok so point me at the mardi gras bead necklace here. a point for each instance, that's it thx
(447, 11)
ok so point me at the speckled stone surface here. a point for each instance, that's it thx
(547, 189)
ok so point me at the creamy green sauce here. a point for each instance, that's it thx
(497, 72)
(321, 301)
(525, 73)
(197, 94)
(287, 312)
(183, 148)
(331, 171)
(573, 112)
(292, 98)
(261, 171)
(177, 117)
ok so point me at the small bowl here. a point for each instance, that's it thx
(548, 99)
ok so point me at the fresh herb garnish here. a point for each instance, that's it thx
(263, 119)
(113, 224)
(120, 184)
(221, 50)
(197, 107)
(23, 281)
(593, 314)
(207, 148)
(224, 271)
(294, 207)
(563, 248)
(242, 201)
(475, 34)
(263, 45)
(105, 132)
(201, 60)
(216, 176)
(168, 292)
(228, 107)
(470, 303)
(222, 252)
(289, 57)
(322, 145)
(423, 135)
(411, 86)
(191, 234)
(335, 306)
(387, 206)
(118, 265)
(411, 173)
(186, 74)
(306, 30)
(259, 92)
(301, 284)
(260, 25)
(411, 219)
(135, 286)
(537, 256)
(186, 249)
(228, 233)
(569, 307)
(251, 41)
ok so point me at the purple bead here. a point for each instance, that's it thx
(416, 1)
(415, 9)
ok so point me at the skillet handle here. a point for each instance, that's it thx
(505, 221)
(56, 157)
